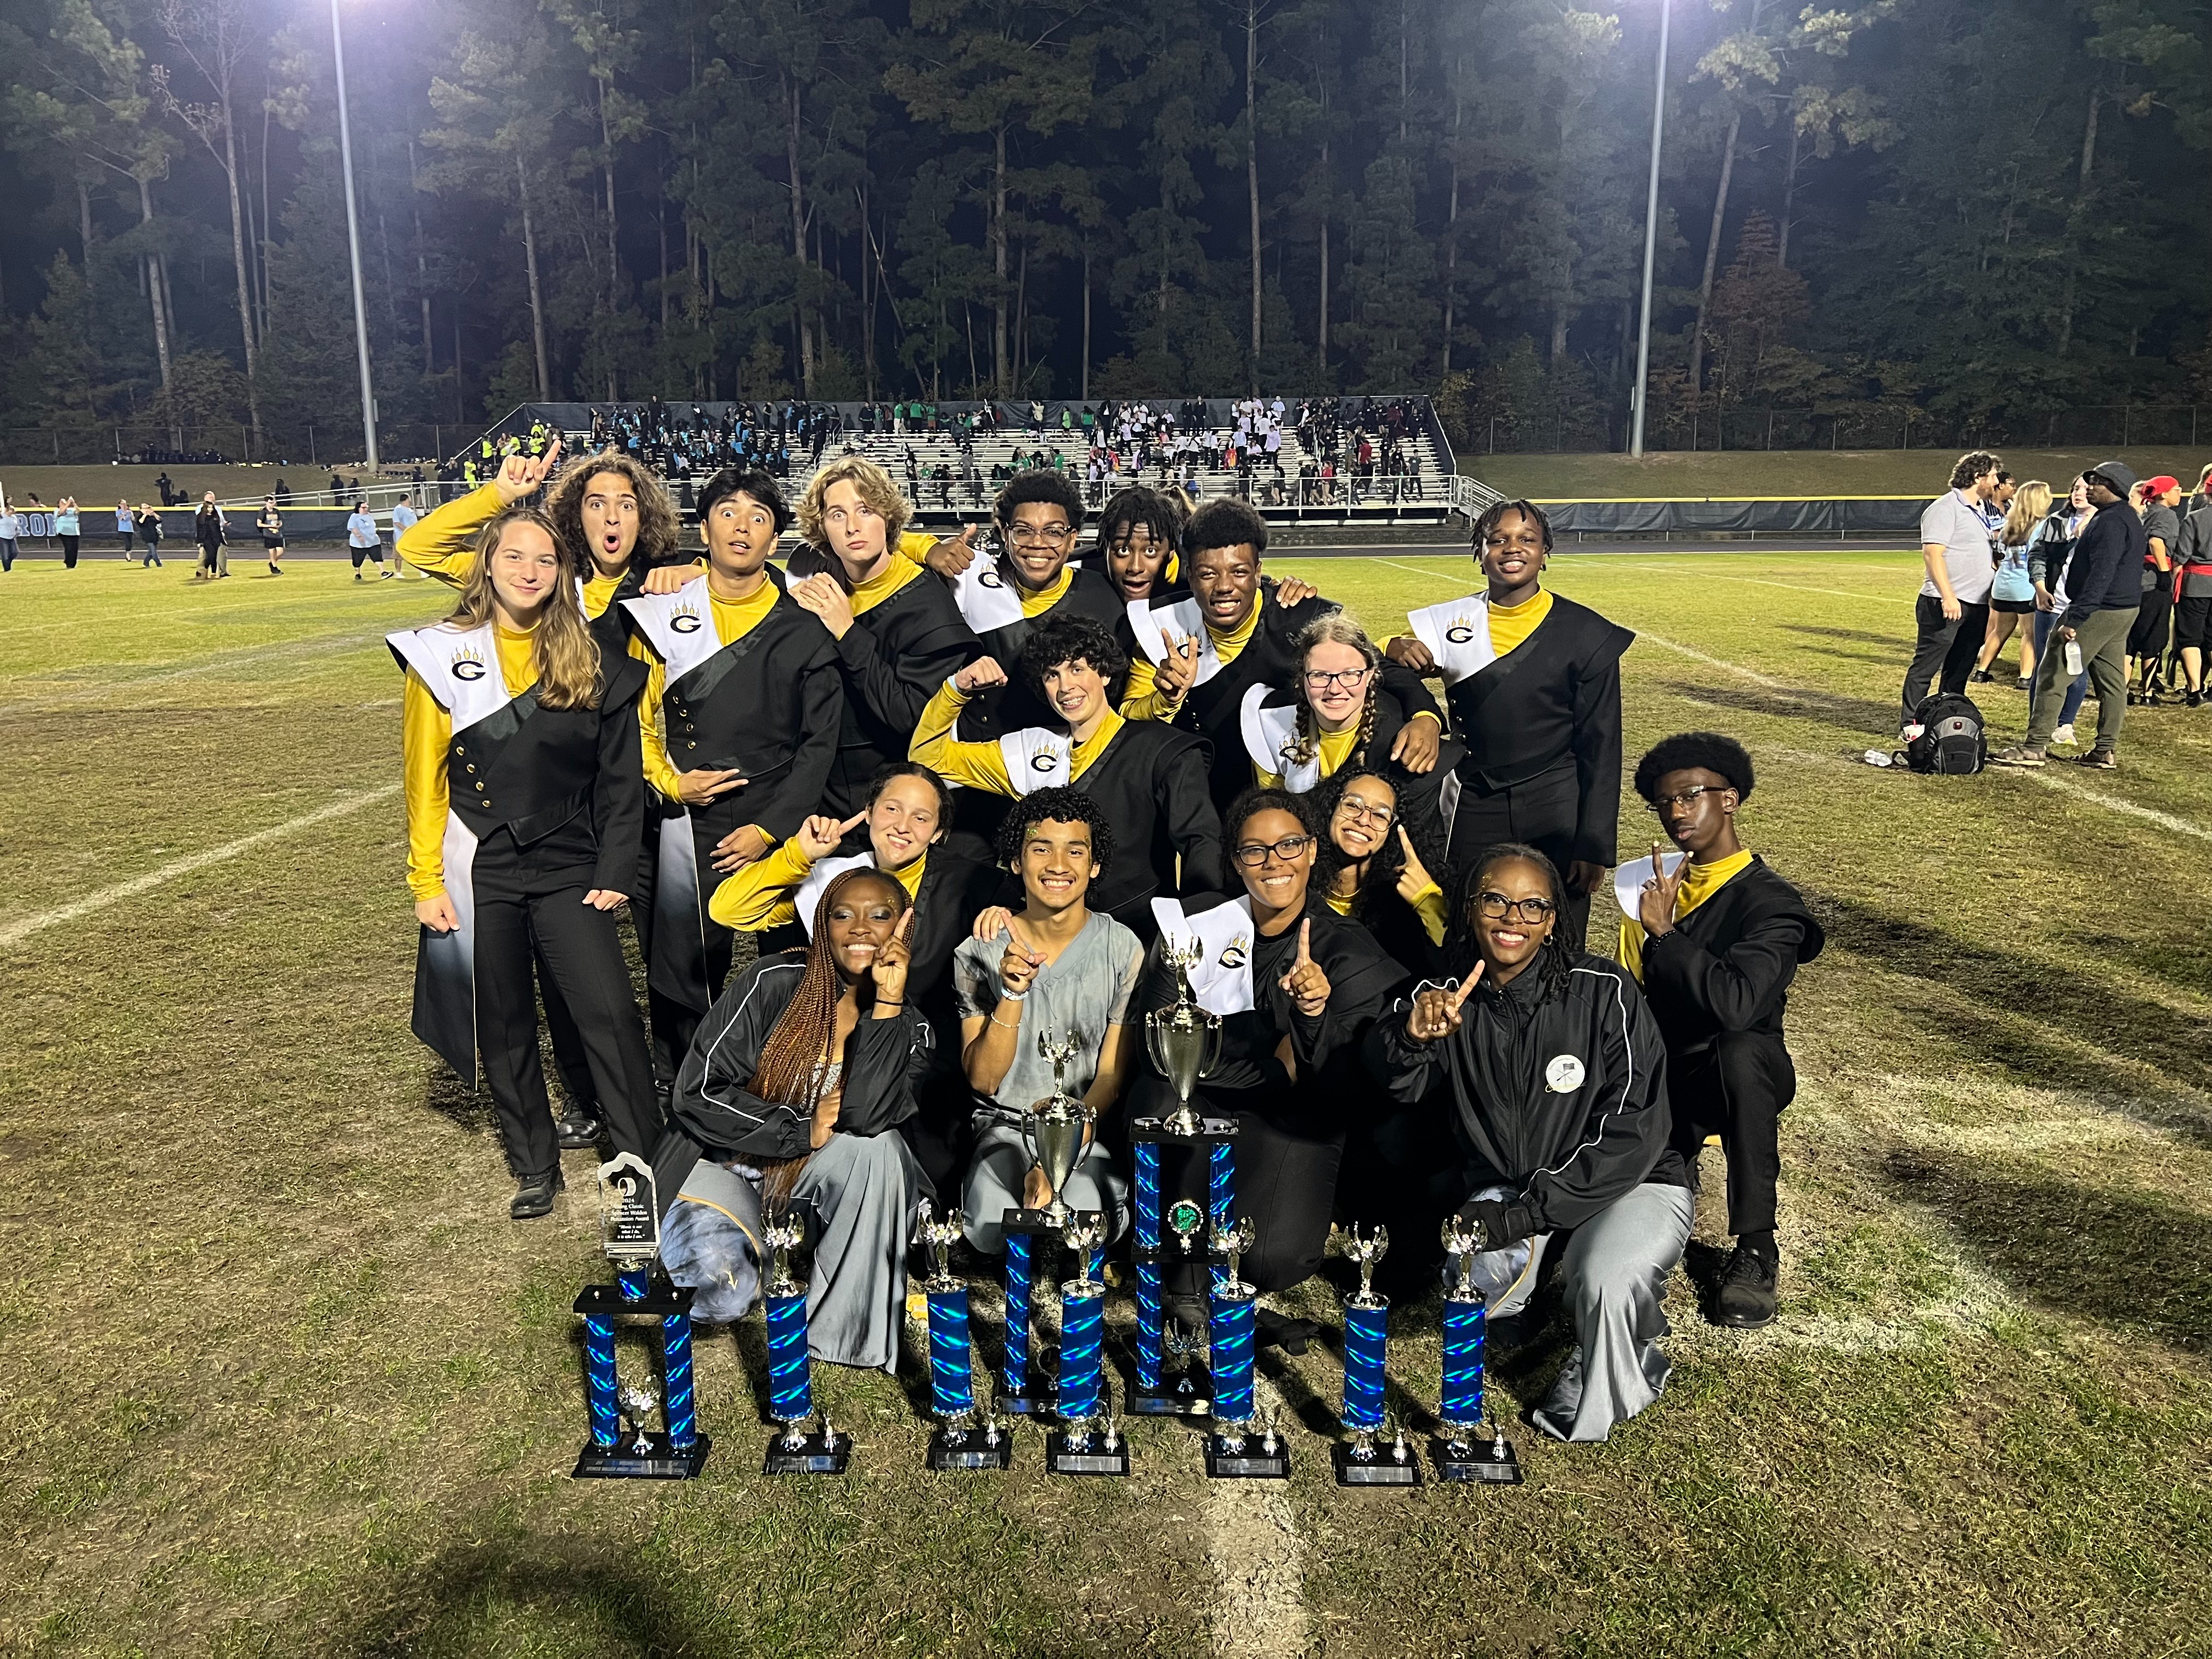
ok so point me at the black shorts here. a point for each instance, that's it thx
(2148, 637)
(2014, 607)
(2192, 620)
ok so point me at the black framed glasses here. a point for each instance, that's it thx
(1319, 679)
(1687, 797)
(1253, 854)
(1496, 907)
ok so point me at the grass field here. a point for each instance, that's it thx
(1792, 473)
(282, 1378)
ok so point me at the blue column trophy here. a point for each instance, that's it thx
(1459, 1454)
(1053, 1130)
(960, 1442)
(1089, 1440)
(1184, 1041)
(1360, 1461)
(1232, 1451)
(790, 1377)
(623, 1446)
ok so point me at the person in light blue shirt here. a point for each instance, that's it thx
(11, 527)
(126, 527)
(363, 542)
(65, 529)
(404, 517)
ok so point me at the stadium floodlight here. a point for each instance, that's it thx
(352, 246)
(1642, 392)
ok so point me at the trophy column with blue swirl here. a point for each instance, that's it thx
(1184, 1043)
(1361, 1461)
(1460, 1454)
(797, 1450)
(960, 1442)
(1089, 1440)
(1053, 1131)
(1234, 1450)
(625, 1444)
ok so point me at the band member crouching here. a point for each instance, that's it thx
(1556, 1076)
(747, 686)
(792, 1097)
(1716, 937)
(1059, 971)
(525, 803)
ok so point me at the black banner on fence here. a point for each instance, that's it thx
(1868, 516)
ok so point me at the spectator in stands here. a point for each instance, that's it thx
(1953, 611)
(2105, 580)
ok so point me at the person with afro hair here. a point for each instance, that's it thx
(1714, 937)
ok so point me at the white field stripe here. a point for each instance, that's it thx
(1763, 581)
(1258, 1560)
(23, 927)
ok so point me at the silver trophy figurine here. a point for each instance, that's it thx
(1366, 1252)
(940, 1237)
(1054, 1129)
(1183, 1039)
(783, 1232)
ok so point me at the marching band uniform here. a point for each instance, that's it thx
(1292, 1122)
(1534, 693)
(750, 684)
(1560, 1102)
(1149, 780)
(514, 811)
(858, 1188)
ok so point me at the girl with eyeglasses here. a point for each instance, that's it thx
(1296, 987)
(1375, 862)
(1556, 1075)
(1343, 708)
(1714, 937)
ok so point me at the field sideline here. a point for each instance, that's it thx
(284, 1379)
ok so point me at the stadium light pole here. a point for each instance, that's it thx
(353, 244)
(1650, 243)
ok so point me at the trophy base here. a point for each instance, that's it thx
(1172, 1402)
(1063, 1456)
(808, 1456)
(1023, 1404)
(1250, 1464)
(969, 1449)
(1491, 1460)
(1377, 1468)
(658, 1461)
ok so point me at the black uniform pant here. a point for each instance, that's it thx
(69, 552)
(2154, 618)
(1287, 1157)
(522, 917)
(1945, 648)
(1545, 813)
(1734, 1087)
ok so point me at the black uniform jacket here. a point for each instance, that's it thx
(1727, 966)
(566, 782)
(884, 1060)
(1563, 1098)
(1014, 705)
(894, 658)
(1150, 784)
(1361, 982)
(1551, 701)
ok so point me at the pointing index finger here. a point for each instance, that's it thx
(1305, 941)
(1466, 988)
(852, 823)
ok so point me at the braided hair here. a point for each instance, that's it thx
(793, 1061)
(1554, 961)
(1335, 629)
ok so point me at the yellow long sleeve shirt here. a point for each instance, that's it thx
(1700, 883)
(426, 730)
(983, 765)
(763, 895)
(1335, 748)
(1428, 904)
(1512, 624)
(1140, 702)
(733, 620)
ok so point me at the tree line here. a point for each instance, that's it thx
(1969, 213)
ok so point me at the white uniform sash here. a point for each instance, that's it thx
(1037, 759)
(1457, 634)
(1149, 623)
(1630, 875)
(807, 896)
(678, 626)
(1221, 978)
(1271, 733)
(986, 599)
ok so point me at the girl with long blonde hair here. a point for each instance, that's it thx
(525, 801)
(2012, 592)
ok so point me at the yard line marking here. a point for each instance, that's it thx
(1258, 1560)
(1433, 575)
(23, 927)
(1757, 679)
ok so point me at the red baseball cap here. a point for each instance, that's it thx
(2161, 484)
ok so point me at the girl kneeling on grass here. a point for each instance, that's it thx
(525, 801)
(791, 1099)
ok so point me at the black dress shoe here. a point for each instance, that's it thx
(533, 1196)
(577, 1132)
(1746, 1296)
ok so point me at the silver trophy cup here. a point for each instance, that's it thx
(1053, 1130)
(1183, 1039)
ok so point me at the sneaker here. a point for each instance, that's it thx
(357, 575)
(2099, 759)
(577, 1132)
(533, 1196)
(2024, 683)
(384, 575)
(2064, 737)
(2018, 755)
(1745, 1301)
(1980, 677)
(2195, 700)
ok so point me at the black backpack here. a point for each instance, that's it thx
(1950, 739)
